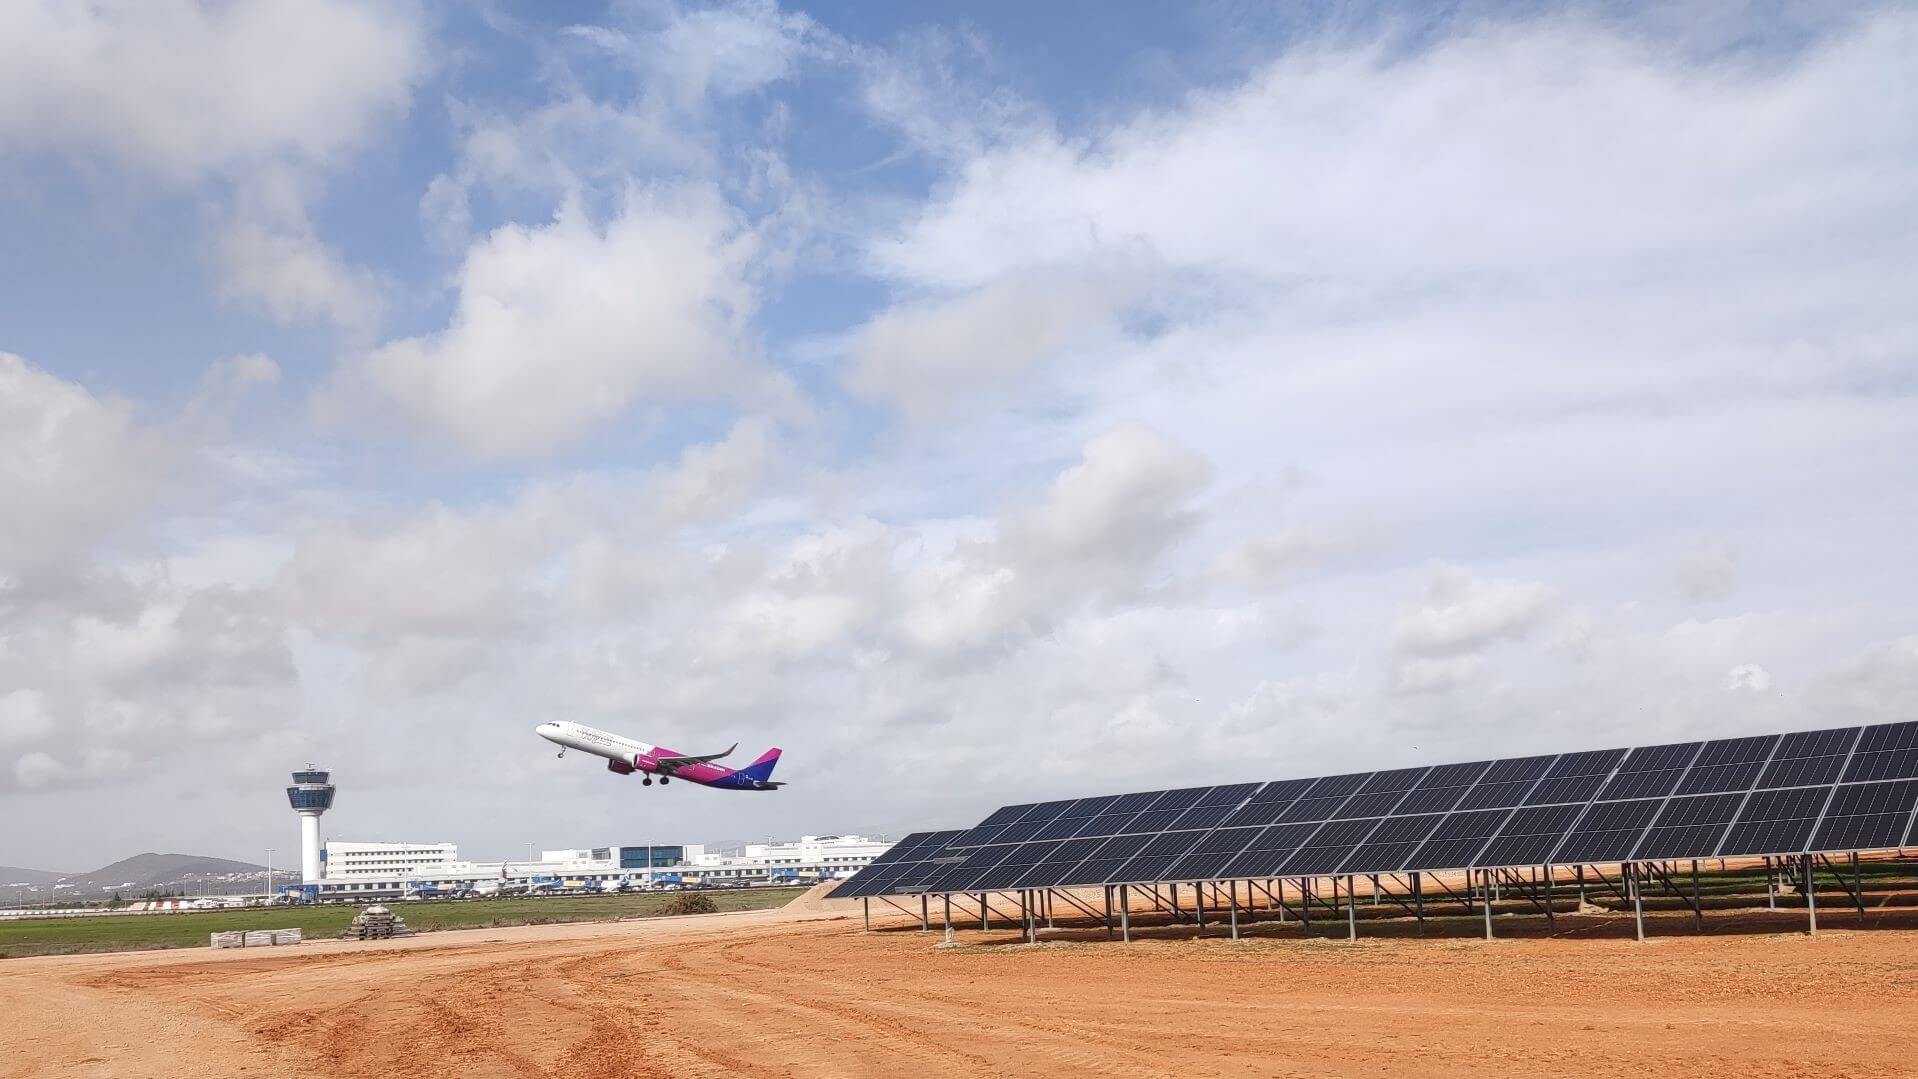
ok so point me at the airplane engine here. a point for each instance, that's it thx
(621, 767)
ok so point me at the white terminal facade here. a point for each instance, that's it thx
(348, 870)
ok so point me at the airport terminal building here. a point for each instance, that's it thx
(395, 870)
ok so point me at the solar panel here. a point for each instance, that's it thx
(1809, 758)
(1843, 789)
(906, 864)
(1529, 836)
(1651, 772)
(1867, 816)
(1328, 848)
(1608, 831)
(1387, 848)
(1457, 839)
(1689, 827)
(1776, 822)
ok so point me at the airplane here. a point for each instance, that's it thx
(626, 756)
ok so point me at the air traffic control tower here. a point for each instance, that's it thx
(310, 795)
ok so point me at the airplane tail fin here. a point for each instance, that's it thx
(762, 769)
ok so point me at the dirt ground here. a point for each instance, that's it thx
(803, 992)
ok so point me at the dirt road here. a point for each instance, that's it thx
(772, 994)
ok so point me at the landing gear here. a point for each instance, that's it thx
(647, 782)
(562, 753)
(663, 780)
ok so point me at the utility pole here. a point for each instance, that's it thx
(269, 874)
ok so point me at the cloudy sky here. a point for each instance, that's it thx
(1035, 401)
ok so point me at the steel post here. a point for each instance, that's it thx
(1125, 913)
(1198, 906)
(865, 905)
(1232, 904)
(1487, 878)
(1630, 873)
(985, 912)
(1305, 903)
(1698, 901)
(1418, 899)
(1352, 907)
(1857, 887)
(925, 922)
(1108, 891)
(1551, 920)
(1811, 898)
(1771, 884)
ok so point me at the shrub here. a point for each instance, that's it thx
(690, 903)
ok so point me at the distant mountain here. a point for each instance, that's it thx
(191, 874)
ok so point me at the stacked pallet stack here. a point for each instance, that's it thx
(376, 923)
(255, 938)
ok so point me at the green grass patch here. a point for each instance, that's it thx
(132, 932)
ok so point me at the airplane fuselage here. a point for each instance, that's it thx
(628, 755)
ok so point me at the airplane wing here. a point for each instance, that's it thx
(670, 765)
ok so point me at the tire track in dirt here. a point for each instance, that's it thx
(695, 986)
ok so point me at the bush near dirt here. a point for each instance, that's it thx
(690, 903)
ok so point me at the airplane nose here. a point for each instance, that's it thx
(545, 730)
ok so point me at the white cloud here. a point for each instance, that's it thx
(1126, 500)
(562, 329)
(1462, 613)
(74, 468)
(187, 89)
(268, 254)
(933, 357)
(1748, 677)
(38, 769)
(1708, 571)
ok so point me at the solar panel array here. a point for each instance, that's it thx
(1849, 789)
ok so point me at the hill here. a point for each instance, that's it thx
(191, 874)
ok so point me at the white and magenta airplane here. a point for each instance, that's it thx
(626, 756)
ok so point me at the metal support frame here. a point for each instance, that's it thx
(1661, 873)
(1232, 903)
(1274, 900)
(1466, 898)
(865, 905)
(1418, 899)
(925, 921)
(1855, 888)
(1125, 913)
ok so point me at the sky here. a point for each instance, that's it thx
(982, 402)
